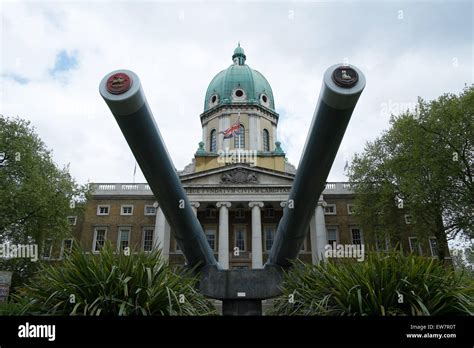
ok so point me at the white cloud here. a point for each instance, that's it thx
(176, 57)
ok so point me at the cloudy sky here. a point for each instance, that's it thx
(54, 54)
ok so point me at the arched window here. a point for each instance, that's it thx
(213, 142)
(266, 140)
(239, 139)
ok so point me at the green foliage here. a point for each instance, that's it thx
(113, 284)
(14, 308)
(23, 269)
(424, 165)
(372, 287)
(35, 195)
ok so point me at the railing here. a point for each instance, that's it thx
(144, 188)
(120, 189)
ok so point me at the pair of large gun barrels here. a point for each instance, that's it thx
(341, 88)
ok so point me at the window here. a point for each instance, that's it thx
(66, 247)
(408, 219)
(72, 220)
(269, 232)
(332, 235)
(148, 238)
(415, 247)
(213, 100)
(103, 209)
(47, 249)
(268, 212)
(240, 212)
(433, 246)
(176, 246)
(382, 242)
(99, 239)
(350, 209)
(356, 236)
(264, 100)
(126, 209)
(239, 139)
(213, 142)
(123, 238)
(150, 210)
(330, 209)
(266, 140)
(239, 238)
(211, 212)
(239, 93)
(211, 237)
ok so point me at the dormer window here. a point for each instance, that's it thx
(239, 94)
(214, 100)
(264, 100)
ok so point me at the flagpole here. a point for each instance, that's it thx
(134, 171)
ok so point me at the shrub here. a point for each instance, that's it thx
(113, 284)
(384, 284)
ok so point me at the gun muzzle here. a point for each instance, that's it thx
(342, 86)
(124, 96)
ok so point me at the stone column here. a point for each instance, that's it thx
(275, 139)
(224, 123)
(257, 259)
(223, 234)
(204, 137)
(259, 135)
(220, 137)
(253, 134)
(195, 206)
(161, 236)
(318, 232)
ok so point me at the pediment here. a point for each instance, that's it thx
(233, 175)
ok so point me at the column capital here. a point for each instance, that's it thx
(256, 204)
(223, 204)
(195, 204)
(321, 201)
(322, 204)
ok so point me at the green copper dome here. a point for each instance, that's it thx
(239, 84)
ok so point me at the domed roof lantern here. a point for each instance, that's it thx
(239, 56)
(239, 84)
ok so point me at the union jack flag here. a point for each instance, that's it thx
(233, 130)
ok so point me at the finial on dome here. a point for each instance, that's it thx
(239, 55)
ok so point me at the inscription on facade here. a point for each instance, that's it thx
(236, 190)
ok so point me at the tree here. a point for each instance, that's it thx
(35, 195)
(423, 164)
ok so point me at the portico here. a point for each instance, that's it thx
(240, 219)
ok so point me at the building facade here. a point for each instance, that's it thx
(238, 183)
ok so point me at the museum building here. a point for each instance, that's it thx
(238, 183)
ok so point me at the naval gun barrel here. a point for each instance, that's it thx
(124, 96)
(341, 88)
